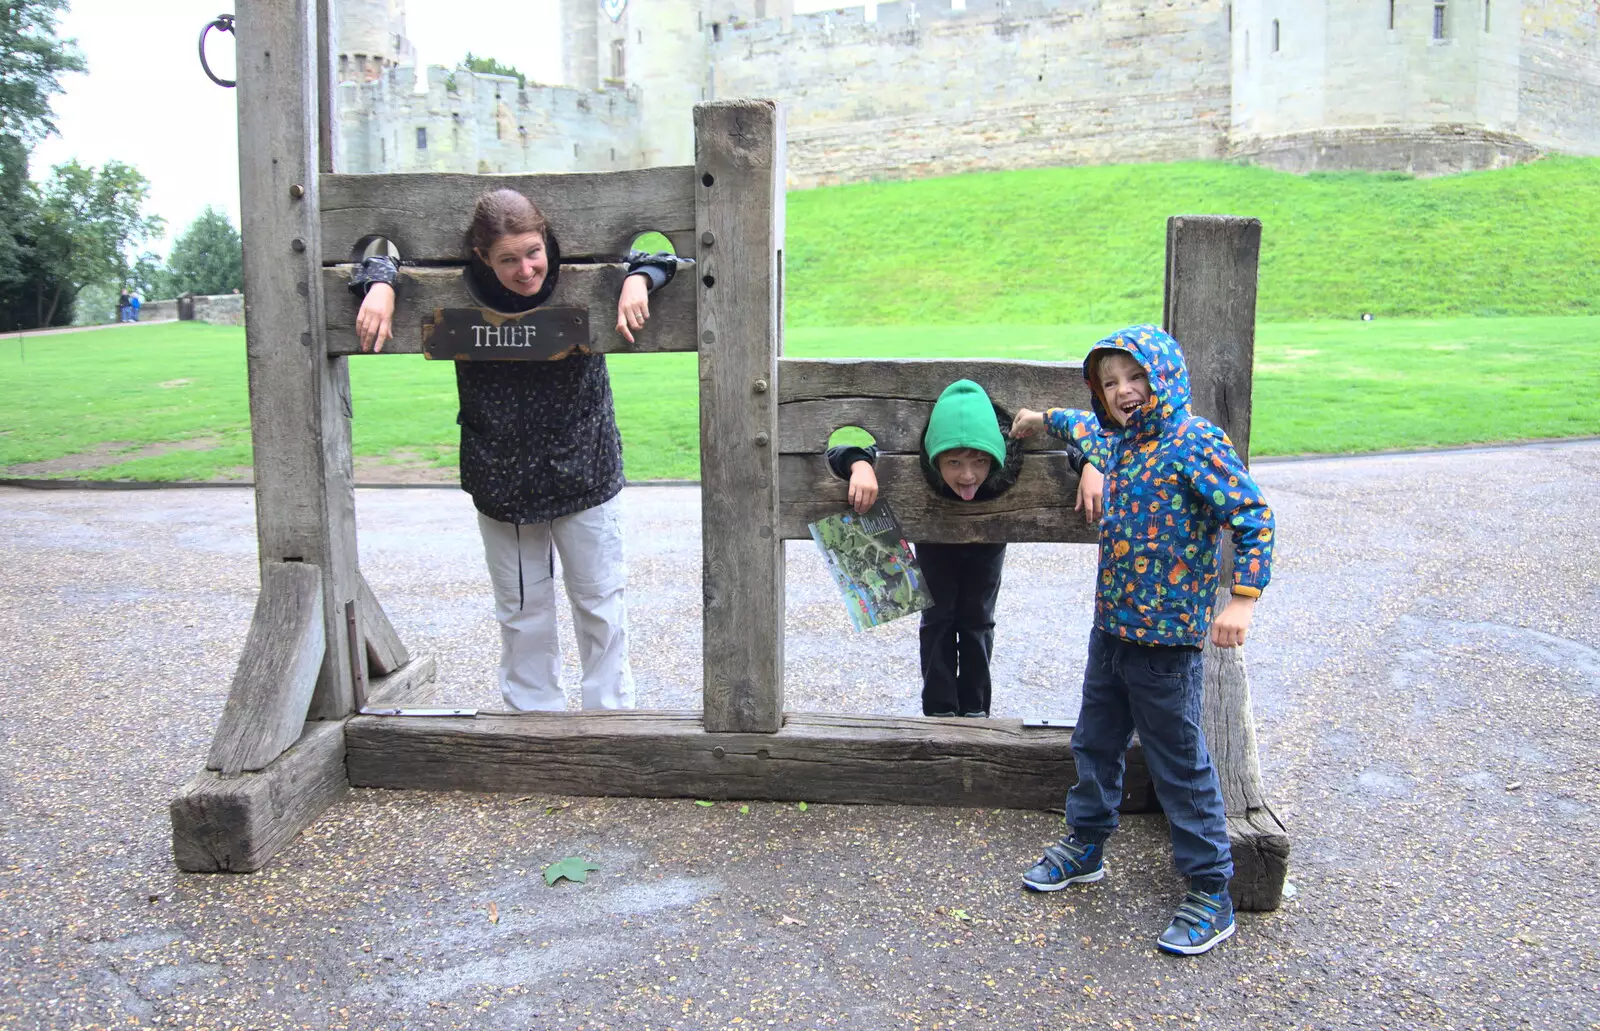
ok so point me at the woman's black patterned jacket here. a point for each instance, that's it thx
(539, 440)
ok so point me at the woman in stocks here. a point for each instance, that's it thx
(541, 457)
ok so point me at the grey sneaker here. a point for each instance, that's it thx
(1202, 921)
(1068, 861)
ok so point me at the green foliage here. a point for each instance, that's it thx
(32, 61)
(572, 868)
(489, 66)
(207, 259)
(87, 221)
(1062, 245)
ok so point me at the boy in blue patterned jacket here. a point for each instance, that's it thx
(1173, 481)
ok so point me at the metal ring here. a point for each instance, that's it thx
(222, 23)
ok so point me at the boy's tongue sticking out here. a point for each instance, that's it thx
(964, 469)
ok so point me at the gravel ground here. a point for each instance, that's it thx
(1425, 680)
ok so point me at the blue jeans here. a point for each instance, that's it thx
(1155, 690)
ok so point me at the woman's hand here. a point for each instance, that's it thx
(863, 486)
(375, 320)
(1091, 494)
(633, 307)
(1026, 423)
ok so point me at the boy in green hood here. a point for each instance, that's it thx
(965, 457)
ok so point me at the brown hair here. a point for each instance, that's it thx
(501, 213)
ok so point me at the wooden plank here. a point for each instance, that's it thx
(237, 825)
(299, 398)
(385, 651)
(411, 684)
(1228, 722)
(1037, 508)
(277, 672)
(1210, 308)
(595, 287)
(1260, 859)
(887, 760)
(896, 424)
(425, 214)
(739, 169)
(1010, 383)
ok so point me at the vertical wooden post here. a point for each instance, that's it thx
(739, 170)
(299, 398)
(1210, 309)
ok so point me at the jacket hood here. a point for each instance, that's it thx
(1162, 359)
(1002, 476)
(964, 417)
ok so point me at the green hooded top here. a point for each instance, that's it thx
(964, 417)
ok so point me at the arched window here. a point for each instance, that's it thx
(1275, 37)
(1391, 14)
(1438, 19)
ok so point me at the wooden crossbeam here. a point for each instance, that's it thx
(424, 214)
(595, 287)
(235, 825)
(1008, 382)
(889, 760)
(1037, 508)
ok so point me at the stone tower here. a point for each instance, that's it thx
(372, 37)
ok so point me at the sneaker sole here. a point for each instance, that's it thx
(1087, 878)
(1196, 950)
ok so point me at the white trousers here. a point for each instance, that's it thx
(521, 561)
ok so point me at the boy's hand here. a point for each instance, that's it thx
(1091, 494)
(1026, 423)
(375, 320)
(1227, 630)
(863, 486)
(633, 307)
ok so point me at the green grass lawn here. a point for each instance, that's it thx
(1073, 245)
(1320, 387)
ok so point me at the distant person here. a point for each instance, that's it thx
(541, 457)
(133, 306)
(965, 457)
(124, 307)
(1176, 482)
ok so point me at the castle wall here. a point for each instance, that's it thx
(484, 124)
(1560, 71)
(372, 37)
(925, 90)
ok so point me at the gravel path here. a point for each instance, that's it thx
(1426, 681)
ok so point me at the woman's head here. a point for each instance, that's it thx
(509, 234)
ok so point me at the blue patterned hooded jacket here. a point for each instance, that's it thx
(1173, 481)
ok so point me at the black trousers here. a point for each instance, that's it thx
(958, 631)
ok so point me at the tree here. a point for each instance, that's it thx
(207, 259)
(88, 221)
(32, 61)
(489, 66)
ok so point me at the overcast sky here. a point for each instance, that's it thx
(145, 100)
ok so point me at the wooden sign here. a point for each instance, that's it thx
(480, 334)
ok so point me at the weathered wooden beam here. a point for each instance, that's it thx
(896, 424)
(235, 825)
(1037, 508)
(299, 398)
(277, 672)
(1010, 383)
(385, 651)
(1260, 859)
(1210, 308)
(425, 214)
(739, 191)
(595, 287)
(411, 684)
(888, 760)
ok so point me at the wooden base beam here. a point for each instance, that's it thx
(237, 824)
(1260, 860)
(815, 757)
